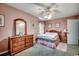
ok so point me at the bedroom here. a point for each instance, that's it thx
(59, 26)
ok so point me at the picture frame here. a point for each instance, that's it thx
(50, 25)
(57, 25)
(33, 25)
(1, 20)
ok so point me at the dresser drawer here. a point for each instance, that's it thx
(21, 47)
(15, 44)
(30, 37)
(21, 39)
(21, 43)
(18, 43)
(18, 48)
(15, 41)
(29, 40)
(29, 45)
(15, 49)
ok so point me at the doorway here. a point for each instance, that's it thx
(41, 28)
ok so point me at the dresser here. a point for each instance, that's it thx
(19, 43)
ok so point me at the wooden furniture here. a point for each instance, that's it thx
(19, 43)
(59, 33)
(58, 38)
(64, 37)
(28, 41)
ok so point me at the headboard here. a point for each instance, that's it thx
(56, 31)
(53, 31)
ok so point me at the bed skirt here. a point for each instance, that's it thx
(46, 43)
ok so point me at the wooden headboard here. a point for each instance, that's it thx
(56, 31)
(53, 31)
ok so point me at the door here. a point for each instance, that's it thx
(41, 28)
(73, 31)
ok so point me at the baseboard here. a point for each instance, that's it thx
(3, 52)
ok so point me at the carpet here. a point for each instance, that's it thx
(40, 50)
(62, 47)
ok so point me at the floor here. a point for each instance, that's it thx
(62, 47)
(73, 49)
(5, 54)
(62, 50)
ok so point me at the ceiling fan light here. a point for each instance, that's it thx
(49, 16)
(41, 18)
(46, 17)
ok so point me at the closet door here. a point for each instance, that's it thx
(73, 31)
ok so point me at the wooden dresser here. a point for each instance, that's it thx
(19, 43)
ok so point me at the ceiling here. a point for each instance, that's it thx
(66, 9)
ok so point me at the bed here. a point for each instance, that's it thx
(50, 39)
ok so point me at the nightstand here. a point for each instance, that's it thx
(64, 37)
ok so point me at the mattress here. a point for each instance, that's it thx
(48, 36)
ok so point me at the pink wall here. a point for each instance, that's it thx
(61, 21)
(10, 14)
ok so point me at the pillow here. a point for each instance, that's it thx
(51, 33)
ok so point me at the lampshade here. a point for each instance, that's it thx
(64, 30)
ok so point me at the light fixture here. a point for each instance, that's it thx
(47, 16)
(48, 11)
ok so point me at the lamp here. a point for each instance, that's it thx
(64, 30)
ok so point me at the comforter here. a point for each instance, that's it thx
(47, 39)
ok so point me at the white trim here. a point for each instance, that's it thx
(3, 52)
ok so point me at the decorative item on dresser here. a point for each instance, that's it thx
(19, 43)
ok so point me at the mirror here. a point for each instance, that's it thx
(20, 27)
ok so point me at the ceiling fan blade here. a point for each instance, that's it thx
(53, 5)
(40, 5)
(57, 11)
(42, 12)
(53, 8)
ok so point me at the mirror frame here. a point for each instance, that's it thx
(15, 25)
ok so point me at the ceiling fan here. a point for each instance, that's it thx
(48, 11)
